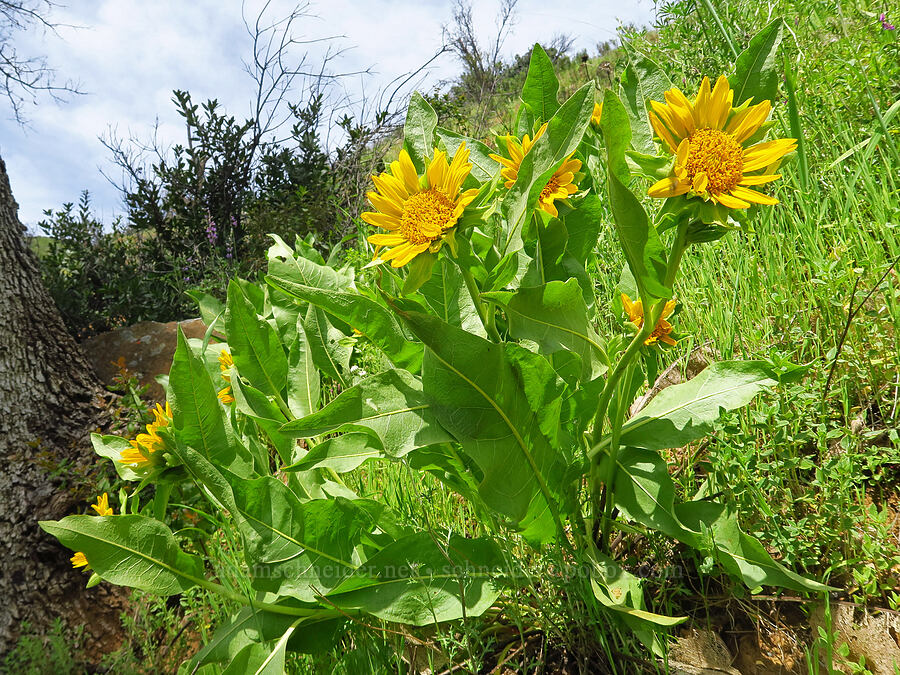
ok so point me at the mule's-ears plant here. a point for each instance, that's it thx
(499, 384)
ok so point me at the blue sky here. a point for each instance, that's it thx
(128, 55)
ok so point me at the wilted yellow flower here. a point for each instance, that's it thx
(418, 211)
(102, 506)
(225, 396)
(597, 114)
(709, 138)
(78, 560)
(142, 449)
(663, 329)
(560, 186)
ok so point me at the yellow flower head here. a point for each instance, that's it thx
(102, 506)
(559, 187)
(145, 446)
(225, 364)
(663, 329)
(710, 141)
(418, 211)
(597, 114)
(78, 560)
(225, 396)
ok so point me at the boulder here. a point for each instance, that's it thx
(145, 349)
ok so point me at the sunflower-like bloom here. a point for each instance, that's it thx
(102, 506)
(663, 330)
(597, 114)
(418, 212)
(78, 560)
(145, 446)
(225, 396)
(225, 364)
(561, 184)
(710, 141)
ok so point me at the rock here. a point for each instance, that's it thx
(700, 652)
(872, 635)
(145, 348)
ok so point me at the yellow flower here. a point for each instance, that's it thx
(225, 396)
(418, 211)
(225, 364)
(709, 139)
(559, 187)
(78, 560)
(144, 446)
(102, 506)
(597, 114)
(663, 329)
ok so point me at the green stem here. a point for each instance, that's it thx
(489, 326)
(219, 589)
(613, 459)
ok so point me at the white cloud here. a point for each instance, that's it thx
(130, 54)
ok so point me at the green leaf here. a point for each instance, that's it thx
(267, 415)
(210, 307)
(391, 404)
(302, 377)
(479, 397)
(555, 316)
(197, 415)
(255, 347)
(283, 263)
(564, 132)
(685, 412)
(447, 296)
(640, 242)
(418, 132)
(419, 272)
(739, 553)
(755, 76)
(541, 86)
(421, 580)
(327, 345)
(134, 551)
(643, 81)
(301, 549)
(483, 167)
(373, 320)
(112, 447)
(342, 454)
(583, 226)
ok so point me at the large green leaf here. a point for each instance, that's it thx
(685, 412)
(564, 132)
(584, 225)
(447, 296)
(643, 81)
(285, 264)
(197, 416)
(341, 454)
(134, 551)
(302, 377)
(329, 348)
(640, 241)
(480, 397)
(418, 132)
(301, 549)
(373, 320)
(421, 580)
(255, 347)
(391, 404)
(483, 167)
(556, 317)
(541, 86)
(267, 415)
(112, 447)
(755, 76)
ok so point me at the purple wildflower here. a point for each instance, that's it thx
(885, 24)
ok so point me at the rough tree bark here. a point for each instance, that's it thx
(49, 400)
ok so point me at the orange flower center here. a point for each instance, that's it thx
(719, 156)
(550, 188)
(425, 216)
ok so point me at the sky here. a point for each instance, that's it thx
(128, 56)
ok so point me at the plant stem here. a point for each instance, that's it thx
(472, 287)
(613, 458)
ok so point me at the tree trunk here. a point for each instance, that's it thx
(49, 400)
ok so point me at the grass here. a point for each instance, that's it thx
(813, 468)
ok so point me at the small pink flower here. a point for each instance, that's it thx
(885, 24)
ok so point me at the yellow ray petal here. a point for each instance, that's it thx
(386, 239)
(390, 187)
(408, 173)
(682, 107)
(745, 124)
(731, 202)
(437, 170)
(701, 105)
(385, 204)
(764, 154)
(668, 187)
(382, 220)
(753, 196)
(662, 132)
(719, 104)
(762, 179)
